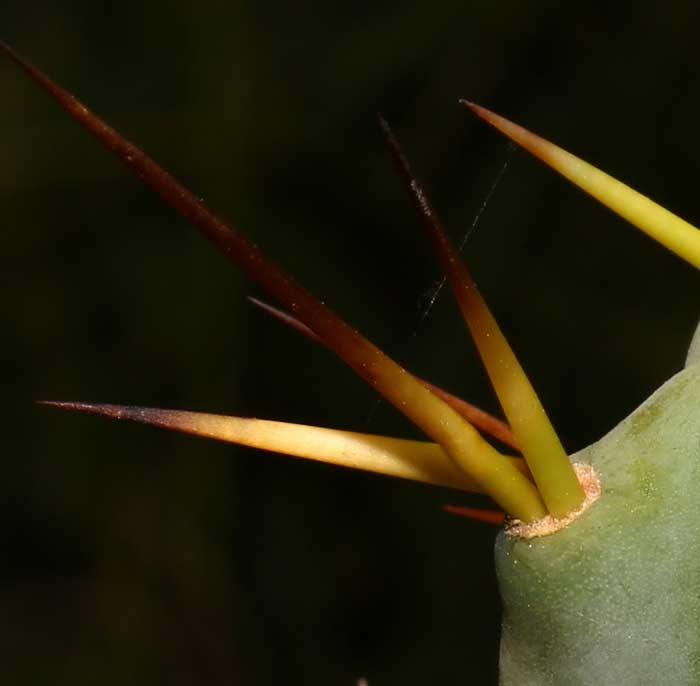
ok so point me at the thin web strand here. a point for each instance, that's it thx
(435, 292)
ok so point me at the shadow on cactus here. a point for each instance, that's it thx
(599, 560)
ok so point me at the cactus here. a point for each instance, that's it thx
(612, 599)
(598, 561)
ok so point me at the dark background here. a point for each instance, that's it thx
(130, 555)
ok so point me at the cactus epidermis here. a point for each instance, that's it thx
(615, 597)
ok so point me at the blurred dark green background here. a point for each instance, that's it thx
(134, 556)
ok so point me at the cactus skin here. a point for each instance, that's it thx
(615, 597)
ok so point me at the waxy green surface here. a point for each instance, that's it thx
(615, 597)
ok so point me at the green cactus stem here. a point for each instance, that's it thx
(614, 598)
